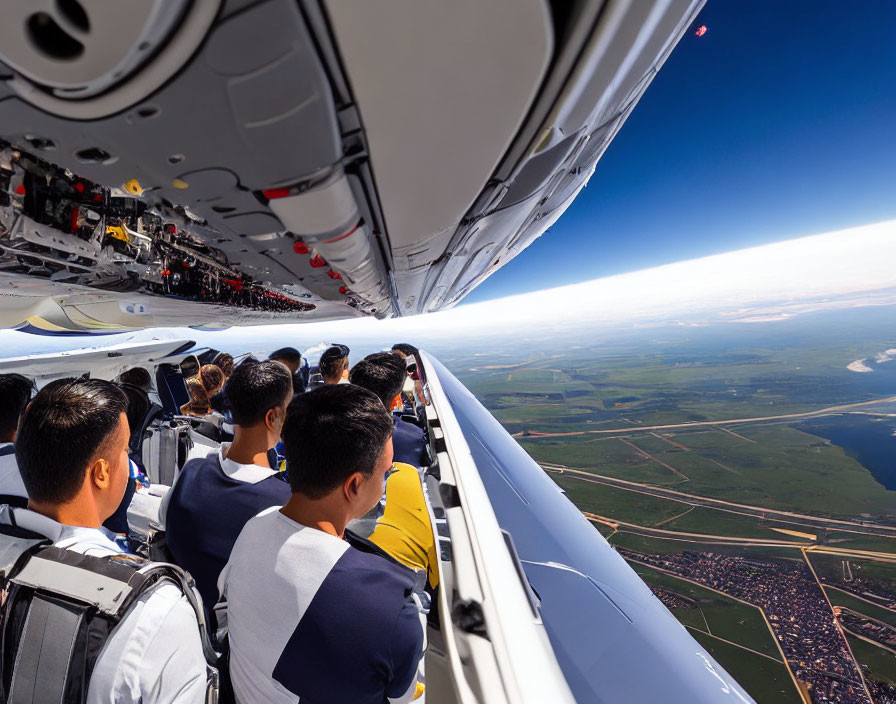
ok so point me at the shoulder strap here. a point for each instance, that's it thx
(16, 546)
(157, 571)
(78, 599)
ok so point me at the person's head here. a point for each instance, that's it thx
(333, 364)
(289, 356)
(15, 392)
(224, 362)
(338, 445)
(257, 396)
(72, 447)
(403, 349)
(212, 378)
(199, 403)
(137, 376)
(382, 373)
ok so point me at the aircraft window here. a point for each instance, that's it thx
(189, 366)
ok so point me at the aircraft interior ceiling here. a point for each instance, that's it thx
(237, 162)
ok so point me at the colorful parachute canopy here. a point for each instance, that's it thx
(701, 30)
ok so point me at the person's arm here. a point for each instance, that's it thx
(153, 656)
(408, 645)
(173, 669)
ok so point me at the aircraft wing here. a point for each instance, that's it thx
(231, 162)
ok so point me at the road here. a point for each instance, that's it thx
(702, 538)
(839, 627)
(759, 512)
(705, 423)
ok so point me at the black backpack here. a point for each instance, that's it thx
(78, 599)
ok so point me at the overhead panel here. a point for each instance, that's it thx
(442, 89)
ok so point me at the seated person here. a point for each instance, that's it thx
(413, 386)
(202, 387)
(15, 393)
(333, 366)
(72, 450)
(224, 362)
(217, 401)
(291, 358)
(136, 376)
(404, 531)
(311, 617)
(384, 373)
(214, 496)
(139, 406)
(17, 389)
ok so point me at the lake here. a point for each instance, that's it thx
(867, 438)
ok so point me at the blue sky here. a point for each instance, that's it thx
(778, 123)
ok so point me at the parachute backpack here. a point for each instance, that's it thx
(76, 599)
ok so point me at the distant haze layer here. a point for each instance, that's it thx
(841, 269)
(835, 270)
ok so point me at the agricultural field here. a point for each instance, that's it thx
(732, 440)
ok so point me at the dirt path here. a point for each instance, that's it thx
(648, 456)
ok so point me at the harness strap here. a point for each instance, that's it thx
(98, 582)
(60, 609)
(46, 651)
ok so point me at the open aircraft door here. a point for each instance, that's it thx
(490, 644)
(535, 604)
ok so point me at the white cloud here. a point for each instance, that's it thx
(748, 284)
(840, 269)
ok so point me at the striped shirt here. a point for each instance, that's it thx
(313, 619)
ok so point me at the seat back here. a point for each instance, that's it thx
(172, 387)
(165, 450)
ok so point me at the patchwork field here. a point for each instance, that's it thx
(719, 418)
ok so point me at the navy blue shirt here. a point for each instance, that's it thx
(409, 443)
(210, 503)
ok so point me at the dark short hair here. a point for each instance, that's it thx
(248, 360)
(254, 389)
(330, 433)
(405, 348)
(137, 376)
(15, 392)
(382, 373)
(287, 354)
(64, 426)
(331, 361)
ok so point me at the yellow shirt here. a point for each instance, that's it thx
(404, 530)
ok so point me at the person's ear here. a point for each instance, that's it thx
(273, 419)
(352, 486)
(100, 474)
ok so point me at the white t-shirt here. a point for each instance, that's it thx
(311, 617)
(154, 654)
